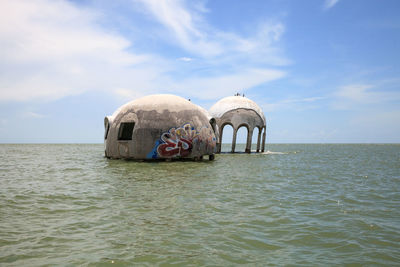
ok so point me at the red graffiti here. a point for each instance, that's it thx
(177, 142)
(171, 149)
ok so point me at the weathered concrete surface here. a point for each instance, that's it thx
(239, 111)
(166, 127)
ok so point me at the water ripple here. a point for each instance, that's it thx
(297, 205)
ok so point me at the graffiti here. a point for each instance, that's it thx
(177, 142)
(181, 141)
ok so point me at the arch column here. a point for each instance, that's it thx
(219, 144)
(259, 140)
(234, 140)
(248, 143)
(263, 141)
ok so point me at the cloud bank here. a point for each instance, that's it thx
(52, 49)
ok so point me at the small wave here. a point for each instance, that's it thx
(274, 153)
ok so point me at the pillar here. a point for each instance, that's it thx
(259, 140)
(263, 141)
(219, 144)
(234, 140)
(248, 143)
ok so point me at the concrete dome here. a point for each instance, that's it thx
(231, 103)
(159, 127)
(239, 111)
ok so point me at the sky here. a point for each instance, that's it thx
(323, 71)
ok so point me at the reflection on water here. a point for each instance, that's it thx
(293, 204)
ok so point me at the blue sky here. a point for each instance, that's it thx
(322, 70)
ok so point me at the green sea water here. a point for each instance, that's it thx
(310, 205)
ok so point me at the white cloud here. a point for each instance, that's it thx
(34, 115)
(362, 94)
(227, 84)
(207, 88)
(128, 94)
(330, 3)
(303, 100)
(194, 35)
(292, 103)
(53, 30)
(173, 15)
(185, 59)
(356, 92)
(50, 49)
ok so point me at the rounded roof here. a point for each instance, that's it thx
(234, 102)
(160, 103)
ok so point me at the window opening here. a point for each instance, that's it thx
(107, 129)
(212, 122)
(126, 131)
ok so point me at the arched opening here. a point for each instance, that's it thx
(241, 139)
(226, 140)
(254, 139)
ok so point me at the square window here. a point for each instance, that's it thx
(126, 131)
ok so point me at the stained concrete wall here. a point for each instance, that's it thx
(166, 126)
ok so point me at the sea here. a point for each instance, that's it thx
(293, 205)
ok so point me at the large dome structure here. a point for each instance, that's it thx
(159, 127)
(239, 111)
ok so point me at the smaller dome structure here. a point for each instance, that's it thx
(239, 111)
(159, 127)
